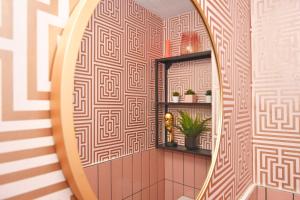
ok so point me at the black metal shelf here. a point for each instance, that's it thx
(180, 148)
(184, 104)
(167, 64)
(185, 57)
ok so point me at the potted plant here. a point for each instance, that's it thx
(175, 97)
(208, 96)
(190, 96)
(192, 129)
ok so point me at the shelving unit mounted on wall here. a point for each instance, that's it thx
(167, 63)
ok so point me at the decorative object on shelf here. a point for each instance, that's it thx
(167, 48)
(190, 96)
(169, 125)
(175, 97)
(192, 129)
(189, 43)
(208, 96)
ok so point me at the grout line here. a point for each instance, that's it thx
(98, 181)
(122, 177)
(194, 173)
(132, 174)
(111, 187)
(266, 195)
(172, 174)
(183, 169)
(141, 152)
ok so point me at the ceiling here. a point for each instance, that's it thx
(167, 8)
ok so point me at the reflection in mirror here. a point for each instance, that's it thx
(146, 100)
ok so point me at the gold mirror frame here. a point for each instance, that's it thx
(62, 99)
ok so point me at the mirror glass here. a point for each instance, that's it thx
(146, 100)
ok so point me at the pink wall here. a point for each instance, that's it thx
(149, 175)
(114, 82)
(138, 176)
(230, 25)
(29, 167)
(276, 96)
(184, 174)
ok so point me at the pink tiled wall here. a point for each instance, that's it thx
(262, 193)
(184, 174)
(138, 176)
(149, 175)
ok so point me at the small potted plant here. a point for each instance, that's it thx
(190, 96)
(175, 97)
(192, 129)
(208, 96)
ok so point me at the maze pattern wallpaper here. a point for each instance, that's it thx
(230, 25)
(29, 166)
(276, 94)
(114, 81)
(33, 26)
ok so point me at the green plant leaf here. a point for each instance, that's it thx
(192, 127)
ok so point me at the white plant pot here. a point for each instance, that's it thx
(207, 98)
(175, 99)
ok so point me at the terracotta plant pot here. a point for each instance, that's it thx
(190, 98)
(191, 142)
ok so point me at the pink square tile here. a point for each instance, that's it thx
(189, 169)
(92, 175)
(127, 176)
(188, 192)
(168, 190)
(137, 196)
(104, 172)
(178, 167)
(168, 165)
(177, 190)
(153, 167)
(261, 193)
(117, 179)
(137, 172)
(278, 195)
(297, 197)
(145, 169)
(160, 165)
(161, 190)
(146, 194)
(200, 171)
(153, 192)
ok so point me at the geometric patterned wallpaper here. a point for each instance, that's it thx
(196, 75)
(276, 94)
(230, 25)
(28, 86)
(29, 166)
(114, 82)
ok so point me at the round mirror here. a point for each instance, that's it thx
(137, 100)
